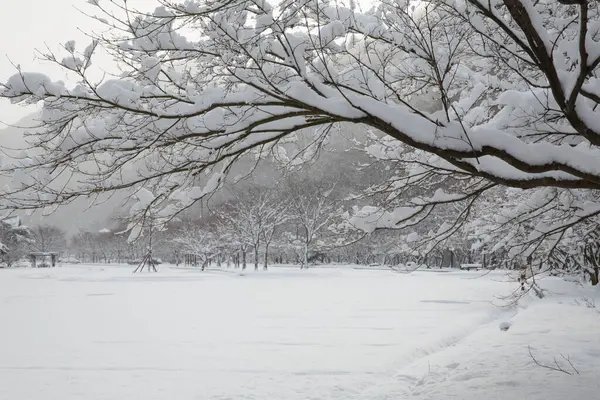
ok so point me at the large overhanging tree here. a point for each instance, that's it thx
(471, 95)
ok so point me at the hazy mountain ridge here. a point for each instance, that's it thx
(339, 152)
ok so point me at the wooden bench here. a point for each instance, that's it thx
(469, 267)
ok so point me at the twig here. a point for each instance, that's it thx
(557, 366)
(568, 359)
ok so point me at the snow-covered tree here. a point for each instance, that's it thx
(313, 210)
(103, 246)
(252, 218)
(81, 245)
(108, 245)
(48, 238)
(199, 239)
(15, 241)
(480, 94)
(275, 212)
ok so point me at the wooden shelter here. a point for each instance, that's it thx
(191, 259)
(43, 259)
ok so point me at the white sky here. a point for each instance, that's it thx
(28, 25)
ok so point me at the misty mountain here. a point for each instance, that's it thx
(70, 217)
(337, 153)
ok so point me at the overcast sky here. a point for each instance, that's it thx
(28, 25)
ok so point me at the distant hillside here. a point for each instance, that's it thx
(338, 154)
(71, 217)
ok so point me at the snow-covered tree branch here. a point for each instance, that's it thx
(474, 95)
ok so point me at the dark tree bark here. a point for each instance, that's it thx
(265, 264)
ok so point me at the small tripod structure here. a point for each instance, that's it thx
(147, 261)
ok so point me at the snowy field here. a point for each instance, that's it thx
(90, 332)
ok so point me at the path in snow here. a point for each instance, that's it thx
(493, 361)
(103, 333)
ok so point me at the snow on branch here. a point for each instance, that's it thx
(481, 94)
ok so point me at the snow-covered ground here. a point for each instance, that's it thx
(90, 332)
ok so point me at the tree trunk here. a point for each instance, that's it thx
(256, 257)
(595, 276)
(305, 257)
(243, 258)
(447, 258)
(265, 264)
